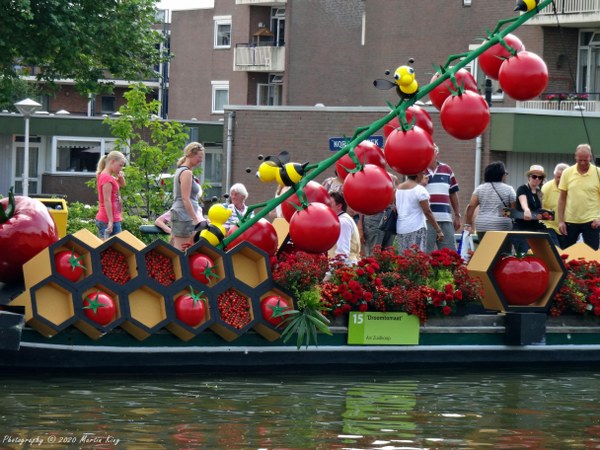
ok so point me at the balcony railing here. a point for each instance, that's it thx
(261, 2)
(576, 13)
(253, 58)
(562, 105)
(573, 7)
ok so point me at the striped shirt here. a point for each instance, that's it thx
(442, 183)
(490, 205)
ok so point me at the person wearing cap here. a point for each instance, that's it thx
(550, 196)
(443, 191)
(529, 201)
(579, 200)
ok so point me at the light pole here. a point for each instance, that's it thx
(26, 107)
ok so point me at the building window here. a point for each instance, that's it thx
(278, 25)
(270, 94)
(108, 104)
(222, 32)
(220, 96)
(588, 76)
(211, 170)
(75, 154)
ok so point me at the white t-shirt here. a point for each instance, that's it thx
(408, 205)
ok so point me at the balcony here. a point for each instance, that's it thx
(258, 58)
(261, 2)
(562, 105)
(571, 13)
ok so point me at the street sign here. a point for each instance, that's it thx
(338, 143)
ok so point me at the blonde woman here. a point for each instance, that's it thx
(186, 191)
(109, 180)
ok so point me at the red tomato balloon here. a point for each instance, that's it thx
(491, 60)
(262, 234)
(189, 310)
(69, 265)
(441, 92)
(465, 116)
(409, 152)
(314, 192)
(199, 264)
(269, 305)
(522, 281)
(315, 229)
(524, 76)
(422, 119)
(367, 153)
(99, 307)
(369, 191)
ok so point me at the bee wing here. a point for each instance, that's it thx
(382, 84)
(279, 160)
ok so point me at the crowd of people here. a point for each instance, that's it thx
(567, 207)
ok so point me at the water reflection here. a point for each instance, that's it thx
(409, 410)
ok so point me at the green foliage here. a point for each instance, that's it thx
(79, 39)
(17, 89)
(154, 147)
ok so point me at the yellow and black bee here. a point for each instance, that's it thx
(279, 169)
(405, 81)
(214, 231)
(526, 5)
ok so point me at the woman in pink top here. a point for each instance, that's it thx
(110, 179)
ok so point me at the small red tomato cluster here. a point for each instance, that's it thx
(234, 309)
(114, 265)
(160, 267)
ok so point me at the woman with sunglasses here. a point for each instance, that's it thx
(529, 202)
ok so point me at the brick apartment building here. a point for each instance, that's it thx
(285, 57)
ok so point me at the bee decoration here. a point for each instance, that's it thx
(279, 169)
(212, 229)
(526, 5)
(404, 81)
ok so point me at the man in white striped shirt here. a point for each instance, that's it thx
(443, 191)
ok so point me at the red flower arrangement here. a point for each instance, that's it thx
(299, 271)
(580, 292)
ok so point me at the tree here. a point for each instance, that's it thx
(83, 40)
(154, 147)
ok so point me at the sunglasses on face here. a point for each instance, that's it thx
(537, 177)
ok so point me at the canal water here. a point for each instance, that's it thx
(436, 408)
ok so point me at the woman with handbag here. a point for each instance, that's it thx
(412, 207)
(492, 197)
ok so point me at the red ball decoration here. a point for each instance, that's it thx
(369, 191)
(409, 152)
(441, 92)
(491, 60)
(465, 116)
(422, 119)
(366, 152)
(523, 76)
(262, 234)
(315, 229)
(313, 191)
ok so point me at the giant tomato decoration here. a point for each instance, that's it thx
(465, 116)
(523, 76)
(262, 234)
(409, 152)
(68, 264)
(26, 228)
(315, 229)
(274, 305)
(420, 115)
(99, 307)
(464, 80)
(522, 280)
(369, 191)
(366, 152)
(190, 308)
(313, 191)
(491, 60)
(201, 268)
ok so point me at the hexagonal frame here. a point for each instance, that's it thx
(164, 248)
(218, 257)
(147, 310)
(266, 329)
(52, 306)
(87, 326)
(226, 330)
(250, 265)
(184, 331)
(83, 250)
(488, 254)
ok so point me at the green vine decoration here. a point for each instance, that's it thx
(446, 71)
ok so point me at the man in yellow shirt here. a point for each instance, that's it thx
(550, 195)
(579, 200)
